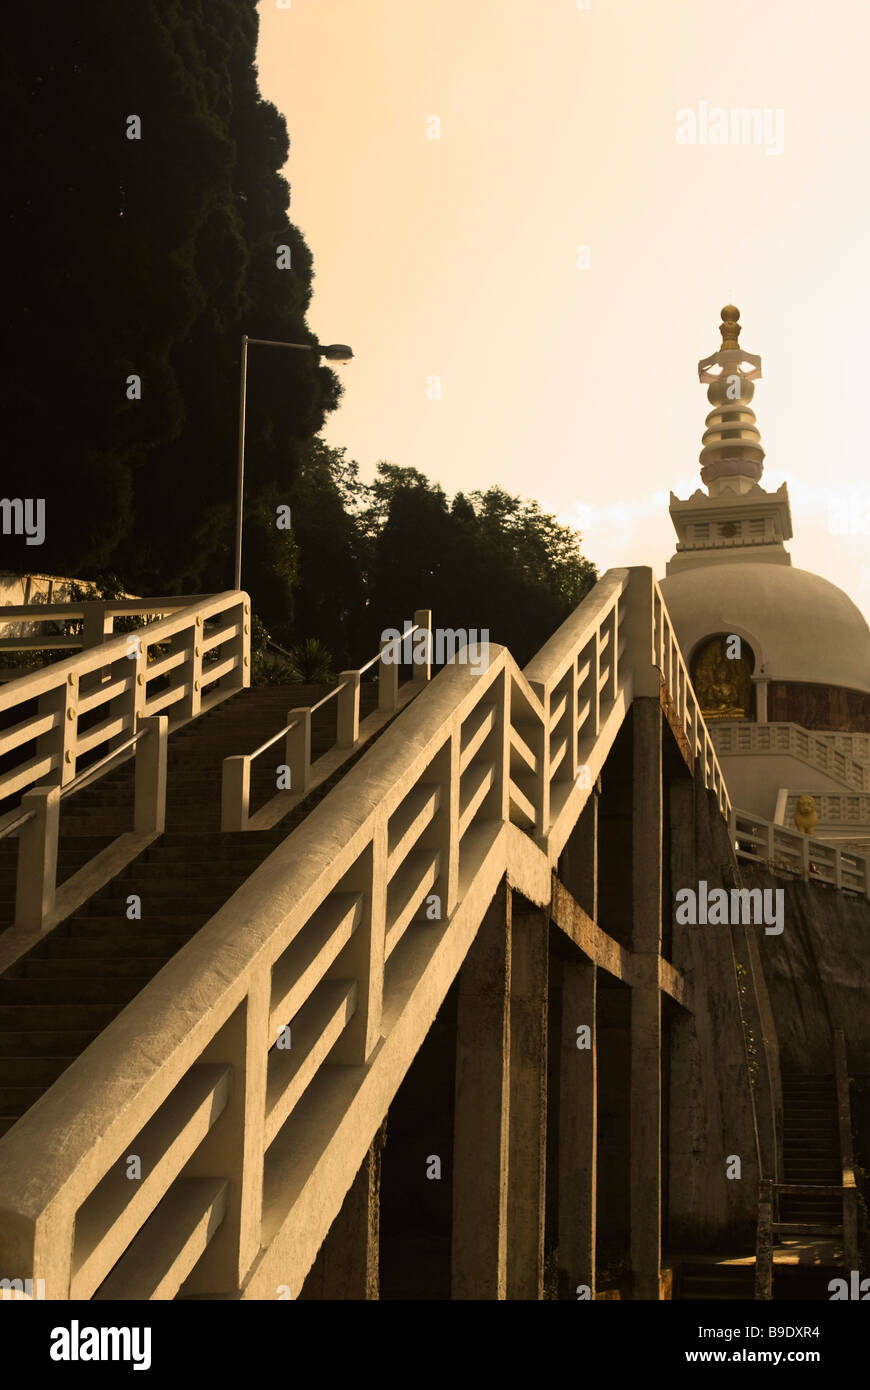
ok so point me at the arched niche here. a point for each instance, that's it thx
(721, 673)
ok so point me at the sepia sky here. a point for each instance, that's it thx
(457, 257)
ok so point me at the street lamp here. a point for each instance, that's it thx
(335, 352)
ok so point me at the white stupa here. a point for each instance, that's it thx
(789, 703)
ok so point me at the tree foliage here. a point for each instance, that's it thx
(148, 257)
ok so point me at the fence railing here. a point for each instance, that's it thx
(797, 742)
(97, 617)
(294, 772)
(669, 658)
(261, 1028)
(100, 703)
(762, 842)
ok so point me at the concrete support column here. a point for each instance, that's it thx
(36, 877)
(528, 1103)
(348, 709)
(149, 798)
(480, 1125)
(646, 1011)
(347, 1262)
(687, 1086)
(235, 792)
(297, 748)
(578, 1127)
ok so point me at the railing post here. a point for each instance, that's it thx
(423, 669)
(235, 793)
(643, 645)
(97, 625)
(297, 749)
(60, 742)
(189, 640)
(240, 646)
(36, 881)
(129, 705)
(149, 814)
(97, 628)
(348, 709)
(388, 677)
(805, 857)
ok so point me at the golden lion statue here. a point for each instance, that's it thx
(806, 817)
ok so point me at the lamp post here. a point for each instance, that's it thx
(335, 352)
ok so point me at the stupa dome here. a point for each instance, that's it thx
(800, 627)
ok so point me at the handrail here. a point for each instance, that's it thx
(15, 824)
(76, 783)
(779, 847)
(477, 770)
(337, 691)
(274, 739)
(99, 704)
(86, 773)
(805, 745)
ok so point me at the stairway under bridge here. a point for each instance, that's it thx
(438, 975)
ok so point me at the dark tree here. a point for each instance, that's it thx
(147, 257)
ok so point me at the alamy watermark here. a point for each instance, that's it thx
(23, 517)
(22, 1288)
(76, 1343)
(462, 646)
(714, 125)
(743, 906)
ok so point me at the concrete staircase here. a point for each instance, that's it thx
(57, 998)
(811, 1154)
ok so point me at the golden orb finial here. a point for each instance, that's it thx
(730, 326)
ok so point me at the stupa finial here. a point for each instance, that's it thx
(730, 327)
(732, 443)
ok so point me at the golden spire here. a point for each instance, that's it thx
(730, 327)
(731, 443)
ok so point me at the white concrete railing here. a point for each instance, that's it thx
(105, 698)
(853, 745)
(97, 617)
(296, 733)
(797, 742)
(238, 1075)
(668, 657)
(763, 842)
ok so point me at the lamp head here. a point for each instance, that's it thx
(337, 352)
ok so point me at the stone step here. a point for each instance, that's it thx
(88, 966)
(181, 925)
(156, 907)
(17, 1100)
(178, 857)
(32, 1071)
(55, 1042)
(147, 946)
(96, 990)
